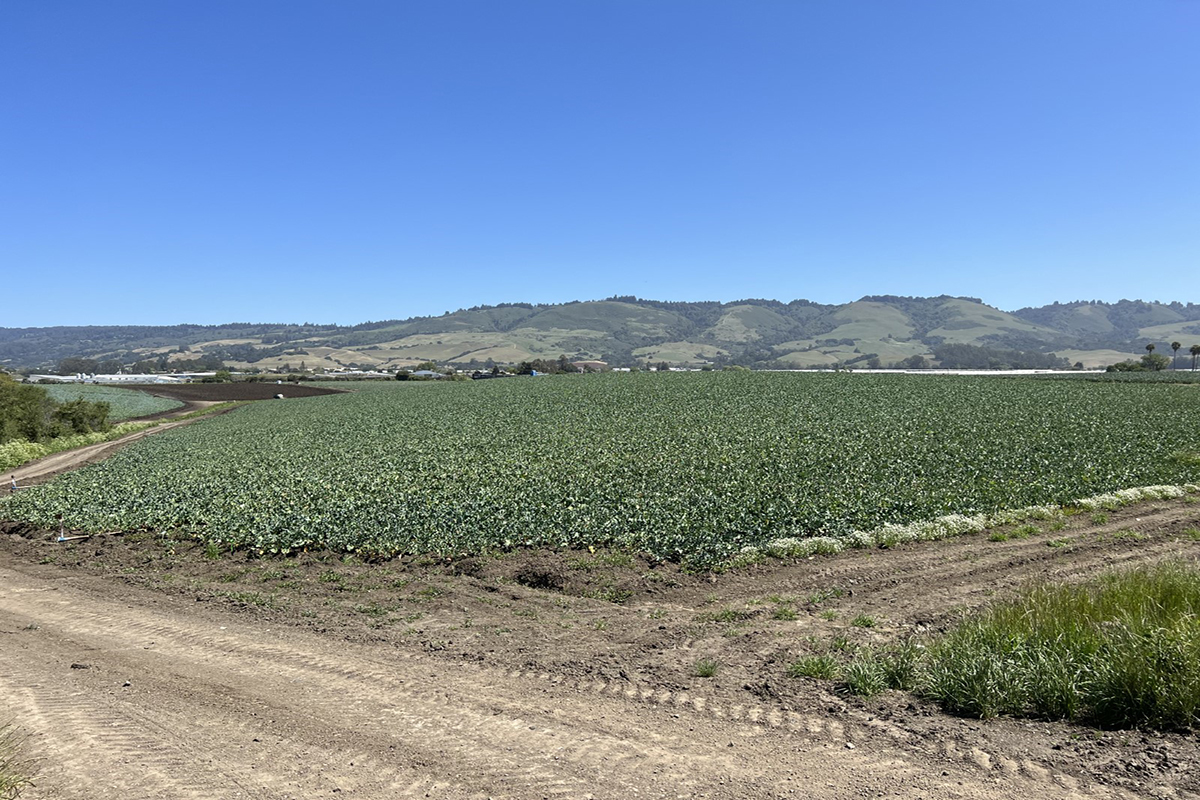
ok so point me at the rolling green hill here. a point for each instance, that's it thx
(877, 330)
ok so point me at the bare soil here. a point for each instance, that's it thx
(223, 392)
(148, 667)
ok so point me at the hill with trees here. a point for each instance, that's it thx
(874, 331)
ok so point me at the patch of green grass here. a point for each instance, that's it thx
(840, 644)
(785, 613)
(1129, 534)
(611, 594)
(865, 675)
(14, 768)
(1192, 534)
(1025, 531)
(829, 614)
(1119, 651)
(825, 595)
(706, 668)
(864, 621)
(1058, 525)
(1099, 518)
(372, 609)
(823, 667)
(998, 536)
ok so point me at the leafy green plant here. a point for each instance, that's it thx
(706, 668)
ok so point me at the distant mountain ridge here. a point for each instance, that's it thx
(877, 330)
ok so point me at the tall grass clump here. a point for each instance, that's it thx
(13, 769)
(1121, 651)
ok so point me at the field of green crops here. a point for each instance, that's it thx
(692, 467)
(123, 403)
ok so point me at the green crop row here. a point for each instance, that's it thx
(694, 467)
(122, 403)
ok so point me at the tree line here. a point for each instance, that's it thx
(29, 413)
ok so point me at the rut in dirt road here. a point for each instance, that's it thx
(147, 697)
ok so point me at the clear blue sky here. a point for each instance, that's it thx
(351, 160)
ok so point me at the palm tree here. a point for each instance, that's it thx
(1174, 353)
(1150, 349)
(1195, 351)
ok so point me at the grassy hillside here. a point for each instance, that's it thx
(884, 329)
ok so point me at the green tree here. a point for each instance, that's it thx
(1155, 363)
(1195, 351)
(1174, 353)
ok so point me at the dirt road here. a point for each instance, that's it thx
(131, 688)
(147, 700)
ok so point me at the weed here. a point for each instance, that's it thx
(600, 624)
(1058, 525)
(998, 536)
(785, 613)
(829, 614)
(14, 769)
(1057, 543)
(840, 644)
(1129, 534)
(824, 667)
(865, 675)
(611, 594)
(1025, 531)
(864, 621)
(825, 595)
(1100, 518)
(706, 668)
(212, 550)
(372, 609)
(1192, 534)
(332, 576)
(657, 613)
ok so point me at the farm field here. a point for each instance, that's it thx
(123, 403)
(700, 468)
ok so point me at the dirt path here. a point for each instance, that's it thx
(318, 677)
(43, 469)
